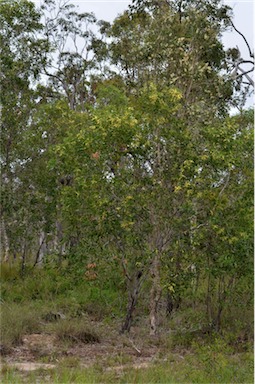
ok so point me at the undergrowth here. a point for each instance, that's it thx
(48, 301)
(191, 369)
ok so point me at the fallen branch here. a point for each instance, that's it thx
(135, 348)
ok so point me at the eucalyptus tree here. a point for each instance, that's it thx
(240, 69)
(77, 53)
(22, 59)
(175, 46)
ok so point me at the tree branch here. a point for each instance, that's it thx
(245, 73)
(244, 38)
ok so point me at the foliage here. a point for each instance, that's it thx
(123, 173)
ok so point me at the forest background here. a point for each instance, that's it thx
(127, 184)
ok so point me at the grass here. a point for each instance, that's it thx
(16, 321)
(76, 331)
(87, 313)
(191, 369)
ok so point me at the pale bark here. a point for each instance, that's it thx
(42, 249)
(155, 294)
(23, 257)
(5, 242)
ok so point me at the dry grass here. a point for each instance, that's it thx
(76, 330)
(16, 322)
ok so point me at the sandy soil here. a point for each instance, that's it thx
(38, 347)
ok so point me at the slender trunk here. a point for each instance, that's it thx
(41, 250)
(195, 290)
(134, 291)
(222, 295)
(23, 259)
(169, 304)
(208, 300)
(59, 242)
(155, 294)
(209, 296)
(5, 242)
(220, 307)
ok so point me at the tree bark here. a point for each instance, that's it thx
(5, 242)
(155, 294)
(134, 290)
(41, 250)
(23, 258)
(59, 246)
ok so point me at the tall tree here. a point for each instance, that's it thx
(77, 50)
(175, 44)
(144, 181)
(22, 59)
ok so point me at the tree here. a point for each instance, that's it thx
(76, 51)
(239, 70)
(225, 218)
(140, 166)
(139, 157)
(22, 59)
(161, 42)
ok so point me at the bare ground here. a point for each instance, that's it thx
(115, 352)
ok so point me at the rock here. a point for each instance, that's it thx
(53, 316)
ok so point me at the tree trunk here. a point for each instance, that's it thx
(23, 259)
(5, 242)
(134, 290)
(223, 290)
(59, 246)
(155, 294)
(169, 304)
(41, 251)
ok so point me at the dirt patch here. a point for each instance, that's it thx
(120, 368)
(32, 366)
(38, 340)
(114, 353)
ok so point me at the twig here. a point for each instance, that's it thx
(245, 73)
(133, 345)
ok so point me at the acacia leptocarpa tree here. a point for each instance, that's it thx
(138, 163)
